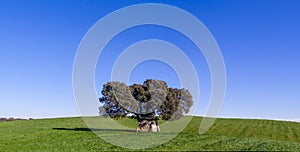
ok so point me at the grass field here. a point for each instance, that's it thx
(71, 134)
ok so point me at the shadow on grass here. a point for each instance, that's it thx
(114, 130)
(94, 129)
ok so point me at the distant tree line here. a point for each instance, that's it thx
(13, 119)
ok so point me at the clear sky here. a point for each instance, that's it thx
(259, 41)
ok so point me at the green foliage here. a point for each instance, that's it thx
(151, 99)
(71, 134)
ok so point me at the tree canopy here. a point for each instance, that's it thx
(144, 101)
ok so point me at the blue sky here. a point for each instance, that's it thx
(259, 41)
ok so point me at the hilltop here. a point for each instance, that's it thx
(71, 134)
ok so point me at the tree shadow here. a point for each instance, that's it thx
(94, 129)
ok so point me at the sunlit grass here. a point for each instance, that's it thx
(71, 134)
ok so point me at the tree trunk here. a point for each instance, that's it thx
(143, 126)
(158, 129)
(148, 125)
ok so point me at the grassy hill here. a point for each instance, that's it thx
(71, 134)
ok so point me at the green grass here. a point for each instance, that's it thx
(71, 134)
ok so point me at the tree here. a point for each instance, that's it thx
(145, 102)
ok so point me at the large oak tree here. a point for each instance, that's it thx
(146, 101)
